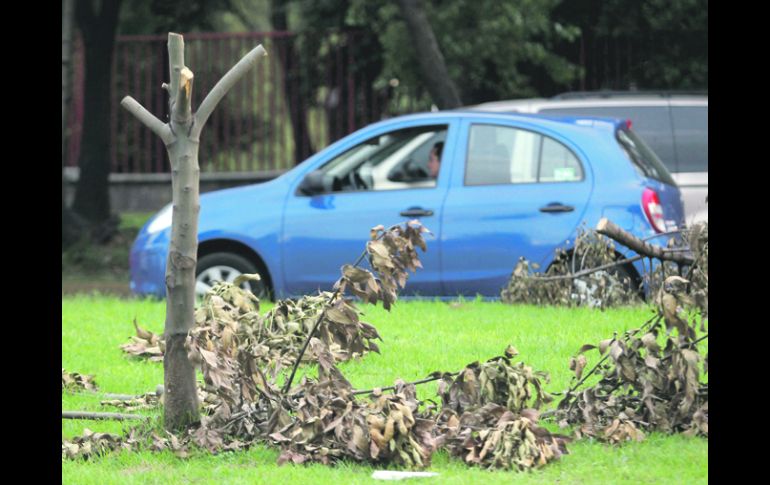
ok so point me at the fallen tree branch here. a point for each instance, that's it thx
(586, 271)
(654, 321)
(551, 412)
(97, 416)
(611, 230)
(393, 388)
(687, 344)
(122, 397)
(307, 342)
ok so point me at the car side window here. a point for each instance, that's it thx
(505, 155)
(398, 159)
(558, 163)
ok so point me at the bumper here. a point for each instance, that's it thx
(148, 269)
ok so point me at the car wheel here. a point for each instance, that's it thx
(631, 283)
(226, 267)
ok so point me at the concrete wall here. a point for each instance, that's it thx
(150, 192)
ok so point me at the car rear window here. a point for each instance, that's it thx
(642, 157)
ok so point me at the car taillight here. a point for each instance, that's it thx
(653, 210)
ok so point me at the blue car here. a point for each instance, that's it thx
(507, 185)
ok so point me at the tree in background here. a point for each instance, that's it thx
(98, 26)
(71, 224)
(492, 50)
(99, 22)
(649, 44)
(499, 50)
(162, 16)
(433, 70)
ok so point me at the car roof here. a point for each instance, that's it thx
(575, 120)
(584, 100)
(625, 94)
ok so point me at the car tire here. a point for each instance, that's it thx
(628, 276)
(226, 267)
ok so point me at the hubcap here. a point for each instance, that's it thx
(205, 281)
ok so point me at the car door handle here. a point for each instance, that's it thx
(557, 207)
(417, 212)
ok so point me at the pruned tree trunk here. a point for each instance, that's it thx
(181, 137)
(432, 65)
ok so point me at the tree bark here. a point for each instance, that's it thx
(71, 227)
(296, 105)
(92, 192)
(68, 14)
(611, 230)
(181, 137)
(429, 58)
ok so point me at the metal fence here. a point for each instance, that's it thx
(308, 92)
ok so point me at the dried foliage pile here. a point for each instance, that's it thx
(72, 381)
(145, 344)
(653, 377)
(648, 379)
(489, 416)
(495, 437)
(600, 289)
(495, 381)
(325, 422)
(243, 356)
(91, 443)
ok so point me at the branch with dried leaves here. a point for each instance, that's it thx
(584, 276)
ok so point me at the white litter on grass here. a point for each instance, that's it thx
(392, 475)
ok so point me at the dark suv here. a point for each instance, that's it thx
(674, 125)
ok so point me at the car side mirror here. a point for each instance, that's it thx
(313, 183)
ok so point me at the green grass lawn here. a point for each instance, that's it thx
(418, 338)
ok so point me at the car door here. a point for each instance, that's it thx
(321, 232)
(515, 191)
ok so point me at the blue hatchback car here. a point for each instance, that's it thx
(508, 185)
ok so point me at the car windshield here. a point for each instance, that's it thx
(643, 158)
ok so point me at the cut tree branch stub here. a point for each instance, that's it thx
(611, 230)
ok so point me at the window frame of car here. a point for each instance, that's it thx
(359, 137)
(543, 134)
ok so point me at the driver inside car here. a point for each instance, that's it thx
(434, 160)
(413, 172)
